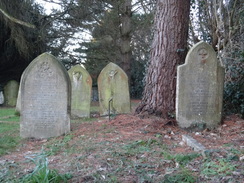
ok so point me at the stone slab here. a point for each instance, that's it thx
(45, 99)
(81, 83)
(113, 86)
(199, 91)
(10, 93)
(193, 143)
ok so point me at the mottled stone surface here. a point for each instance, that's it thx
(81, 84)
(1, 98)
(113, 86)
(199, 92)
(45, 98)
(11, 93)
(193, 143)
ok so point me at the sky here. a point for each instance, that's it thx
(82, 35)
(48, 6)
(73, 43)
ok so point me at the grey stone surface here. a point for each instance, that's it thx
(193, 143)
(1, 98)
(199, 92)
(11, 92)
(113, 86)
(45, 99)
(81, 83)
(18, 104)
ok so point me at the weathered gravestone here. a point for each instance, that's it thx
(45, 99)
(199, 93)
(113, 89)
(81, 83)
(18, 104)
(1, 95)
(11, 93)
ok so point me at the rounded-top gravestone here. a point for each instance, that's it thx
(199, 92)
(11, 92)
(81, 83)
(45, 98)
(113, 90)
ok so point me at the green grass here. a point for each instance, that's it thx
(8, 114)
(182, 159)
(57, 145)
(9, 130)
(42, 173)
(220, 167)
(183, 176)
(95, 158)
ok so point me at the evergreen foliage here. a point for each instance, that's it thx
(19, 44)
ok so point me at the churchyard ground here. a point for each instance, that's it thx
(128, 148)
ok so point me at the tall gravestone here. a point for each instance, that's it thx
(113, 90)
(11, 93)
(45, 99)
(199, 93)
(81, 84)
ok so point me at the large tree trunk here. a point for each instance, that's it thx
(169, 49)
(125, 31)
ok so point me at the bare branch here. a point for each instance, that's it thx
(26, 24)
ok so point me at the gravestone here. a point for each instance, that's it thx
(45, 98)
(113, 89)
(18, 105)
(1, 95)
(199, 92)
(11, 93)
(81, 84)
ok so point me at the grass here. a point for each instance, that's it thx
(219, 167)
(183, 175)
(182, 159)
(91, 158)
(8, 114)
(56, 145)
(42, 173)
(9, 130)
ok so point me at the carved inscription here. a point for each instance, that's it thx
(199, 96)
(44, 99)
(77, 77)
(203, 54)
(44, 70)
(199, 89)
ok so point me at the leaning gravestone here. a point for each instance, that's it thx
(45, 99)
(199, 93)
(11, 93)
(81, 83)
(113, 89)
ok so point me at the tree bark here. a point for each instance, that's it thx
(125, 31)
(169, 49)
